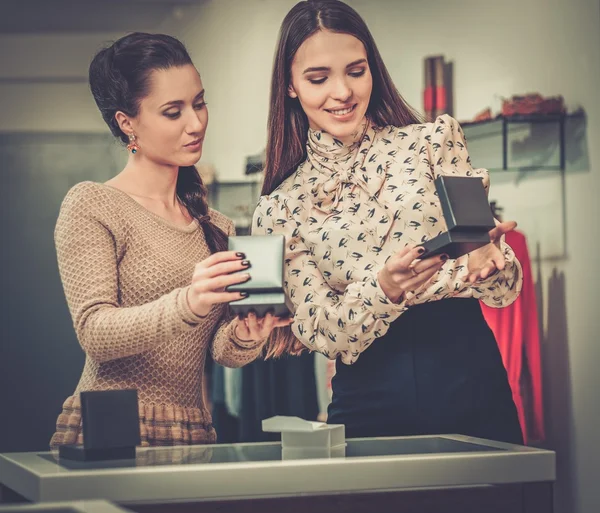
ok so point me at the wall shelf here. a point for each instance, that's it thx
(530, 156)
(237, 200)
(500, 126)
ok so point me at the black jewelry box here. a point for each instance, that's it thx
(110, 425)
(265, 290)
(468, 217)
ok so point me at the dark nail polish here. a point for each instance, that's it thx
(421, 250)
(443, 257)
(240, 255)
(246, 263)
(244, 294)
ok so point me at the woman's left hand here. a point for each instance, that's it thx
(485, 261)
(254, 329)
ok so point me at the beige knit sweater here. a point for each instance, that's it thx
(125, 272)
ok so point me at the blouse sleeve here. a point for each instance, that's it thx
(448, 156)
(333, 323)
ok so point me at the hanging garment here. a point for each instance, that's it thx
(279, 386)
(226, 425)
(233, 390)
(323, 383)
(516, 328)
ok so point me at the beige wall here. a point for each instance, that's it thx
(43, 83)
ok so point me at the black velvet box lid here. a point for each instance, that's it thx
(467, 213)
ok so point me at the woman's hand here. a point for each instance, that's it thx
(212, 276)
(253, 328)
(487, 260)
(404, 271)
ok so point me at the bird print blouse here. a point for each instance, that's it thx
(350, 206)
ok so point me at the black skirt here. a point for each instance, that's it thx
(437, 370)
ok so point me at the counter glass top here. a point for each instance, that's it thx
(190, 473)
(263, 452)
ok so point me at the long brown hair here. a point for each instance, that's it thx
(287, 122)
(119, 78)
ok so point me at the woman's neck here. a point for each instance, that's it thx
(347, 140)
(144, 178)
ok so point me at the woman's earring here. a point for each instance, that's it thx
(132, 146)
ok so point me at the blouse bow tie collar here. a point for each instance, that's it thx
(344, 166)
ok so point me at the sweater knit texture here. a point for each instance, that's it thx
(125, 273)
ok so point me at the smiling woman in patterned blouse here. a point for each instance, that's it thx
(349, 181)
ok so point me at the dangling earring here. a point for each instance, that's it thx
(132, 146)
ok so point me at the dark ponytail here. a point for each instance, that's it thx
(119, 80)
(192, 193)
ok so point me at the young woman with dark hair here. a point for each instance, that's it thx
(143, 258)
(349, 181)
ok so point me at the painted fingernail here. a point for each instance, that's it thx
(244, 294)
(421, 250)
(240, 255)
(443, 257)
(246, 263)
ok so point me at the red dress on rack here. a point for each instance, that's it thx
(516, 330)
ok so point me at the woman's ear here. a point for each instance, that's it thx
(124, 122)
(292, 92)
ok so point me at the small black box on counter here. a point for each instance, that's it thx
(110, 425)
(468, 217)
(265, 290)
